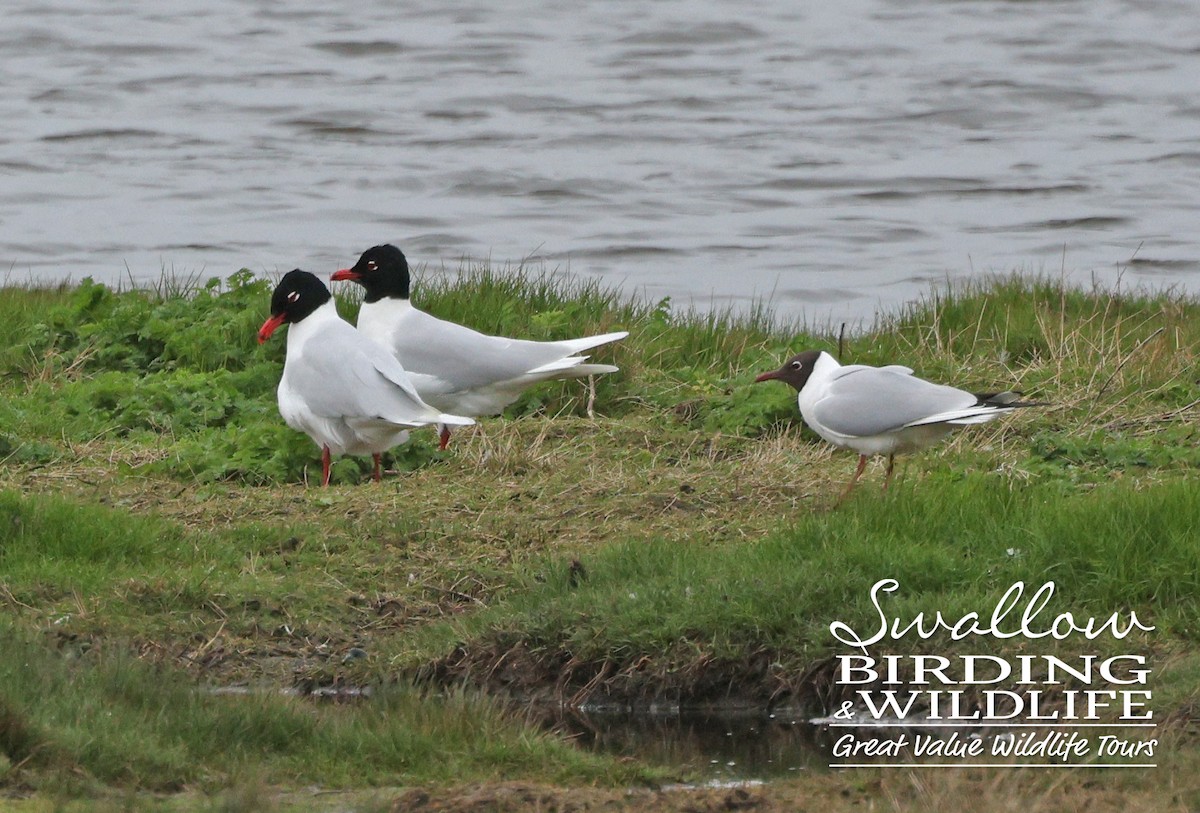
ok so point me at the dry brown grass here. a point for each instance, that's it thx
(623, 478)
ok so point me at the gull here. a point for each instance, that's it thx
(882, 410)
(340, 388)
(452, 366)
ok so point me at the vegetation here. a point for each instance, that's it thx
(755, 616)
(113, 719)
(158, 538)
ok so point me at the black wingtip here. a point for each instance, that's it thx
(1009, 399)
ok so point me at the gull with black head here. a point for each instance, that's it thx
(343, 390)
(882, 410)
(452, 366)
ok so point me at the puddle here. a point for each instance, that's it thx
(719, 748)
(715, 746)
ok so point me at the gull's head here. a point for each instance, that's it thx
(381, 270)
(297, 295)
(795, 371)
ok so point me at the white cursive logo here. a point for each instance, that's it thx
(1062, 626)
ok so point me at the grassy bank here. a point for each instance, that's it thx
(158, 534)
(645, 620)
(79, 723)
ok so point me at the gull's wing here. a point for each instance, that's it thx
(466, 359)
(342, 374)
(863, 401)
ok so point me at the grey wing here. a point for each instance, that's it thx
(388, 366)
(867, 401)
(348, 376)
(466, 358)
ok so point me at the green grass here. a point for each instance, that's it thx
(157, 534)
(105, 718)
(953, 545)
(181, 370)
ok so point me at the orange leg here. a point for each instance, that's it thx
(862, 465)
(378, 458)
(324, 465)
(443, 438)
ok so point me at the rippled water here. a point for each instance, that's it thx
(835, 157)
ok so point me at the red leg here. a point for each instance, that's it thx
(443, 437)
(378, 458)
(862, 465)
(324, 465)
(891, 465)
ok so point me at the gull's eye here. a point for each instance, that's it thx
(294, 296)
(372, 265)
(796, 365)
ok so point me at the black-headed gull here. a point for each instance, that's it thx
(343, 390)
(452, 366)
(881, 410)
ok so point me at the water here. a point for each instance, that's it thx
(717, 746)
(837, 158)
(731, 745)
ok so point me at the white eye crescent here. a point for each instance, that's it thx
(796, 365)
(372, 265)
(294, 296)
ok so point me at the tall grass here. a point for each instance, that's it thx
(1099, 350)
